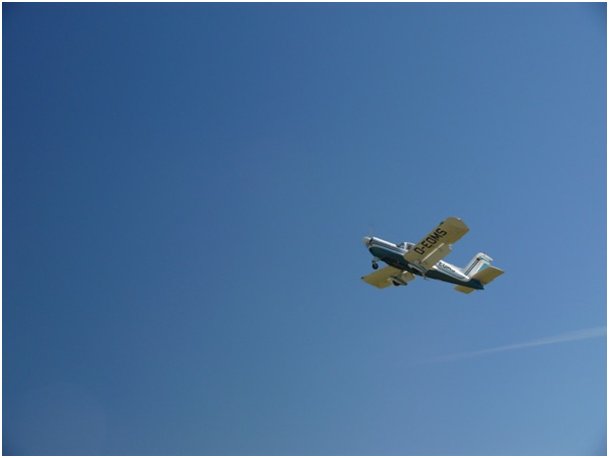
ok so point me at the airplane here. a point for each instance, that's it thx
(407, 260)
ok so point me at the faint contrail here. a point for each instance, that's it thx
(583, 334)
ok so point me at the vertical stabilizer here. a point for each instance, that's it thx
(479, 262)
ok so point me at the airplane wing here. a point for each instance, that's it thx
(382, 277)
(436, 245)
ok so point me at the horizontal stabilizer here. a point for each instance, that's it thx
(488, 274)
(485, 276)
(464, 289)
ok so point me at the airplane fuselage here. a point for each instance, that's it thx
(393, 255)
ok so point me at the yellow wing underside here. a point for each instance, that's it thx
(436, 245)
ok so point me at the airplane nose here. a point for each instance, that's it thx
(367, 240)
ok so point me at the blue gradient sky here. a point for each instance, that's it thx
(185, 192)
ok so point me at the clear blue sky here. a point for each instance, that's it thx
(185, 192)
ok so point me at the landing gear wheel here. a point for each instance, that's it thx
(375, 265)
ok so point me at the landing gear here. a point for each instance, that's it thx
(375, 265)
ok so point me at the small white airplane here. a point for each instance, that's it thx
(406, 260)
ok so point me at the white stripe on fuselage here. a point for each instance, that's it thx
(441, 266)
(450, 270)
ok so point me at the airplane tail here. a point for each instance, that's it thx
(480, 268)
(478, 262)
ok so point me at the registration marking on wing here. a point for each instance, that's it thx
(447, 232)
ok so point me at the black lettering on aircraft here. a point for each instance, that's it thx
(430, 240)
